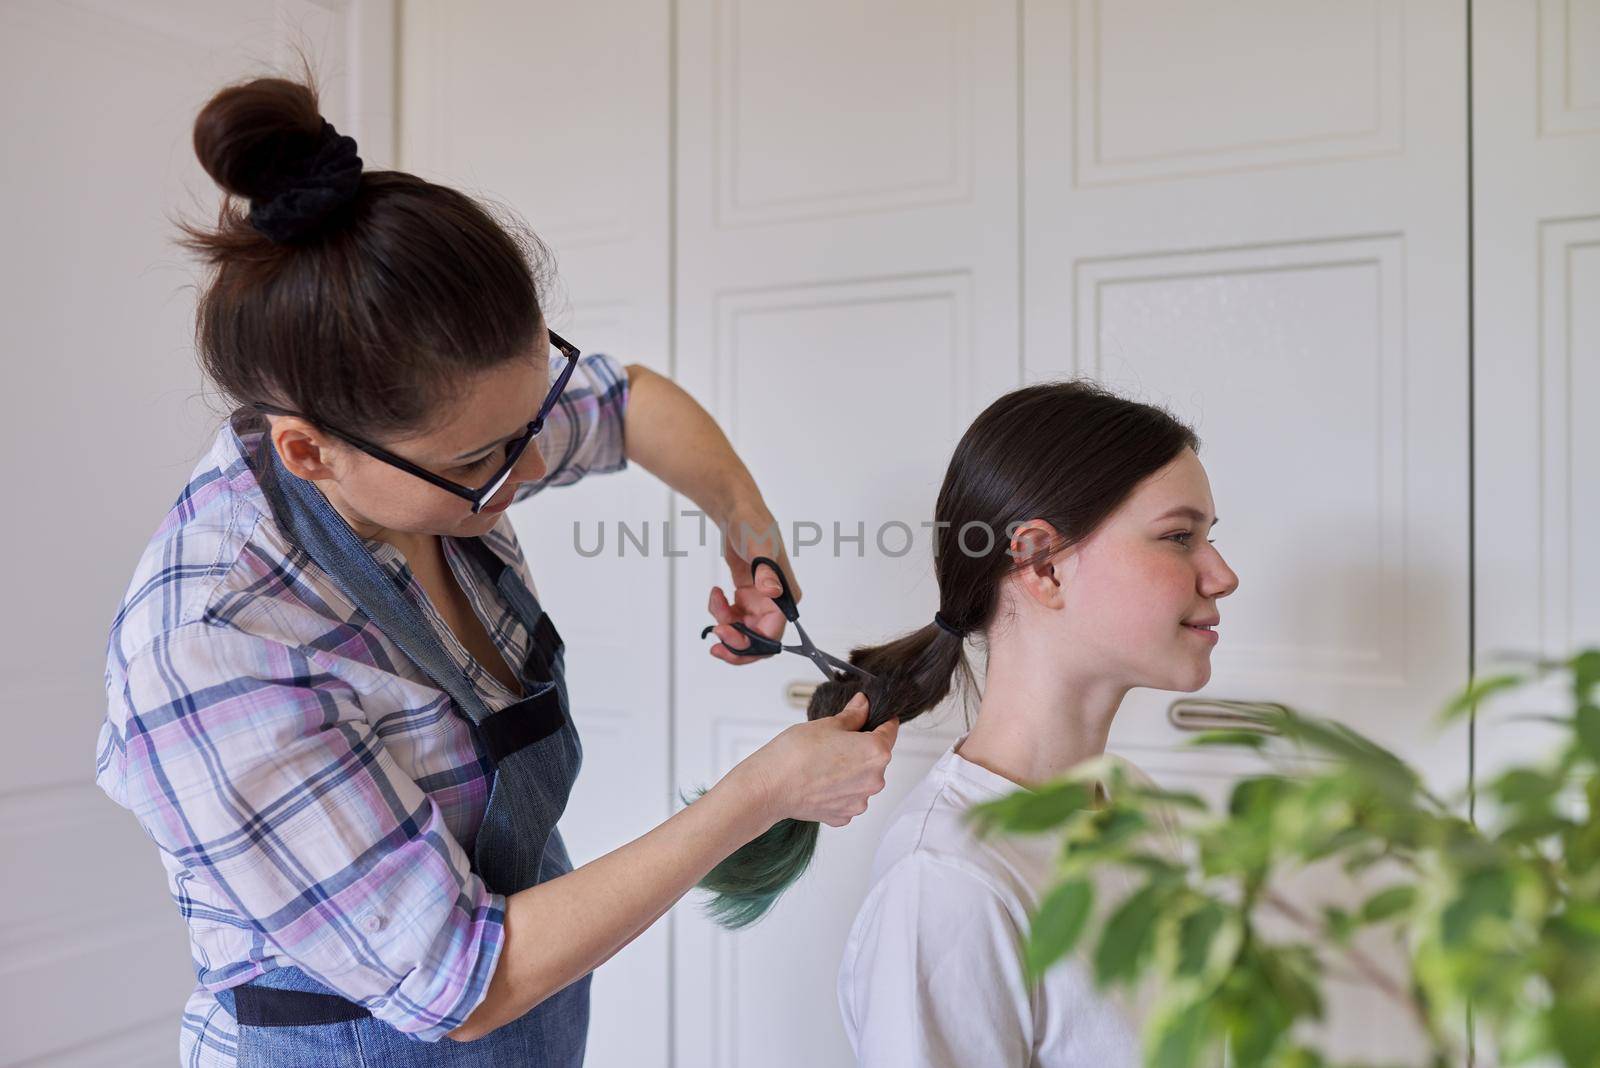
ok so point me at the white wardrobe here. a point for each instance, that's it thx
(847, 226)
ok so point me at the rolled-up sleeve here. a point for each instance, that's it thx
(254, 767)
(583, 435)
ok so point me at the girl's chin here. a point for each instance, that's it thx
(1190, 673)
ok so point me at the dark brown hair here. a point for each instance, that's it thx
(1065, 452)
(372, 324)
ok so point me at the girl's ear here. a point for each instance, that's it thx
(1042, 574)
(1031, 539)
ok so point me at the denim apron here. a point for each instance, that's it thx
(288, 1018)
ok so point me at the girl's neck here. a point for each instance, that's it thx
(1036, 721)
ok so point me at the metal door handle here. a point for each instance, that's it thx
(1212, 713)
(799, 694)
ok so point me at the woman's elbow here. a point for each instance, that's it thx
(491, 1015)
(467, 1032)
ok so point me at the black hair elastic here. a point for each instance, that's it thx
(310, 189)
(944, 625)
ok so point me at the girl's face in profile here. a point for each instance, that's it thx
(1142, 593)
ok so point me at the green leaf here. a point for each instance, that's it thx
(1477, 692)
(1260, 1019)
(1256, 793)
(1176, 1037)
(1386, 904)
(1032, 811)
(1533, 826)
(1196, 933)
(1128, 935)
(1114, 826)
(1521, 786)
(1589, 731)
(1154, 866)
(1342, 839)
(1483, 895)
(1242, 739)
(1293, 971)
(1364, 760)
(1175, 798)
(1341, 925)
(1104, 838)
(1576, 1036)
(1360, 861)
(1058, 925)
(1585, 675)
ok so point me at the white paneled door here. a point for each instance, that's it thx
(1536, 224)
(560, 112)
(847, 301)
(1255, 213)
(104, 420)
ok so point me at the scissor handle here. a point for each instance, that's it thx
(784, 600)
(758, 644)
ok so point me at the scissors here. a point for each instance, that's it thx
(761, 645)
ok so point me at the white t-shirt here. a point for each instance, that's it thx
(932, 975)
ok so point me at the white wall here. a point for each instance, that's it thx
(104, 420)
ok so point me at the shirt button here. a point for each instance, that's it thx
(373, 924)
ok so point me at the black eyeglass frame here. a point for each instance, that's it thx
(514, 448)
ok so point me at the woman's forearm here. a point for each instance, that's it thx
(561, 930)
(669, 434)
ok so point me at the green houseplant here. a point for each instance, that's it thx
(1495, 918)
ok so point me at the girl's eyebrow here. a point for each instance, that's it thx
(1184, 510)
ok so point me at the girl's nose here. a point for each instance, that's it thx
(1218, 579)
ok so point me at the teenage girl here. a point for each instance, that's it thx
(1073, 545)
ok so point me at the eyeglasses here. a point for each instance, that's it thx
(514, 448)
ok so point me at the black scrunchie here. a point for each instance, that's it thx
(311, 190)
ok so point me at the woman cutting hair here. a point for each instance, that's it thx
(336, 703)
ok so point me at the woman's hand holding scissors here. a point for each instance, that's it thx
(753, 589)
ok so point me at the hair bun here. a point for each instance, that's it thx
(310, 190)
(266, 141)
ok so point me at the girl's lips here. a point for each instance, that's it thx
(495, 509)
(1205, 632)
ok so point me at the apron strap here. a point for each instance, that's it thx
(265, 1006)
(328, 540)
(314, 525)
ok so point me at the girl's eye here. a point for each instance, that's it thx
(1181, 537)
(476, 464)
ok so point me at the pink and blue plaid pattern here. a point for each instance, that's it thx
(313, 795)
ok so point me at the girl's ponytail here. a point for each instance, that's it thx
(912, 674)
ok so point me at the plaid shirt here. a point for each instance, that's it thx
(313, 795)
